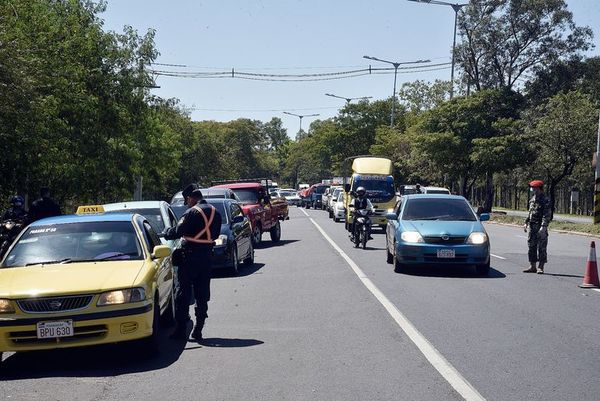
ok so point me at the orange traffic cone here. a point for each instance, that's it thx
(590, 280)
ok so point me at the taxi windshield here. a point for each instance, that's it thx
(73, 242)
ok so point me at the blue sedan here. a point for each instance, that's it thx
(436, 230)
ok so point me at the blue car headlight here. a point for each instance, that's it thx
(411, 237)
(477, 238)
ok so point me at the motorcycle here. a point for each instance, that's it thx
(9, 229)
(362, 228)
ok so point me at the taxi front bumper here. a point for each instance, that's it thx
(20, 334)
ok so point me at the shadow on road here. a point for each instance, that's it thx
(562, 275)
(243, 272)
(229, 342)
(270, 244)
(96, 361)
(451, 272)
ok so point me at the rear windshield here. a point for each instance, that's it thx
(438, 209)
(220, 208)
(320, 189)
(72, 242)
(153, 216)
(286, 193)
(247, 195)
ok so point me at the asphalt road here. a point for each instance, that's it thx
(304, 324)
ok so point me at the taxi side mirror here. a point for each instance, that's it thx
(161, 251)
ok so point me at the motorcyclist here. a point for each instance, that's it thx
(361, 202)
(17, 210)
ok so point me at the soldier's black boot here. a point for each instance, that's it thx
(540, 269)
(532, 268)
(180, 332)
(197, 332)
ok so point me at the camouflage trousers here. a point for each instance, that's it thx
(537, 246)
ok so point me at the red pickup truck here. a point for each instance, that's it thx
(265, 213)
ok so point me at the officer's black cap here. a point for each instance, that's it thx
(192, 190)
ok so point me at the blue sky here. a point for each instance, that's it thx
(293, 36)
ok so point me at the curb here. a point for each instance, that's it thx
(552, 230)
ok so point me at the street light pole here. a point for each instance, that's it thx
(300, 116)
(456, 7)
(349, 99)
(396, 65)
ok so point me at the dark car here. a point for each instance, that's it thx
(234, 245)
(179, 207)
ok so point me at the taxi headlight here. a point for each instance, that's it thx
(411, 237)
(6, 306)
(477, 238)
(222, 240)
(118, 297)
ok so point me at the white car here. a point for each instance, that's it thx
(435, 190)
(290, 196)
(332, 199)
(339, 211)
(158, 213)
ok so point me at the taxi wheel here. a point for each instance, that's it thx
(235, 263)
(276, 232)
(249, 261)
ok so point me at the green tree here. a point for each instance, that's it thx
(563, 132)
(503, 39)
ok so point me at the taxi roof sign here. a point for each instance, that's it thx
(90, 209)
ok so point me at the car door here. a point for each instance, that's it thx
(392, 226)
(241, 231)
(171, 221)
(164, 276)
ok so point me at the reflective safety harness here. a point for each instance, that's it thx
(197, 239)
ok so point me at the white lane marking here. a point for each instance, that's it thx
(304, 211)
(496, 256)
(522, 236)
(441, 364)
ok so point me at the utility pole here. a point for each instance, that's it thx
(396, 65)
(456, 7)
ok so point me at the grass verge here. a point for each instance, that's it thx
(555, 225)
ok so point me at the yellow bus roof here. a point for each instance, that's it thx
(372, 165)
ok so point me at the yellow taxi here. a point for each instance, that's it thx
(84, 279)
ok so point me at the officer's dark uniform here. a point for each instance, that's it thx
(194, 268)
(15, 213)
(44, 207)
(540, 215)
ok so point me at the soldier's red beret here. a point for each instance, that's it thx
(536, 184)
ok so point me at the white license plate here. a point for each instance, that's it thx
(446, 254)
(56, 329)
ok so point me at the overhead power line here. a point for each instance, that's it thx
(323, 76)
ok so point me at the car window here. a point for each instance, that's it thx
(438, 209)
(235, 211)
(220, 206)
(397, 207)
(247, 195)
(172, 217)
(152, 238)
(340, 197)
(96, 241)
(154, 216)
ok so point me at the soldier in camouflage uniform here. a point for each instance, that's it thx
(540, 215)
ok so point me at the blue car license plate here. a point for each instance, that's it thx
(446, 254)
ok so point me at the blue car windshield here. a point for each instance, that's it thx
(72, 242)
(438, 209)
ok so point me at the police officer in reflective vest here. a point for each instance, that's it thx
(540, 215)
(198, 227)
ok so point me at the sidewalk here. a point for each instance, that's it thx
(557, 217)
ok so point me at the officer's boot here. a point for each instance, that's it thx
(540, 269)
(180, 332)
(197, 332)
(531, 269)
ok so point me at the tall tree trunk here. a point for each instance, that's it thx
(489, 192)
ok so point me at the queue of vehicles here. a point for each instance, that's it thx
(103, 274)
